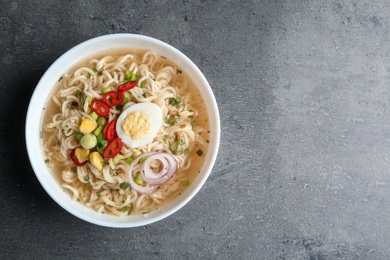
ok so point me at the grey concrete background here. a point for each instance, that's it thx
(303, 167)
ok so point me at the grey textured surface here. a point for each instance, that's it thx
(303, 91)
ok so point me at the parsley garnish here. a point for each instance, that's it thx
(175, 101)
(88, 75)
(165, 138)
(199, 152)
(124, 185)
(193, 124)
(170, 121)
(130, 210)
(86, 178)
(97, 193)
(178, 71)
(47, 161)
(186, 183)
(146, 212)
(74, 169)
(144, 95)
(124, 209)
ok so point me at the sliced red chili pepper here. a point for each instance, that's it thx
(127, 86)
(99, 107)
(75, 160)
(110, 131)
(113, 98)
(113, 148)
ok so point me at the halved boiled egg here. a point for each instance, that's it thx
(138, 125)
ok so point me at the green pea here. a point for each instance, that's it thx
(88, 141)
(102, 121)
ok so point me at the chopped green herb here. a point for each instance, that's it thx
(86, 178)
(144, 95)
(199, 152)
(138, 180)
(143, 159)
(124, 209)
(86, 187)
(130, 210)
(142, 84)
(100, 72)
(78, 199)
(170, 121)
(123, 185)
(165, 138)
(79, 136)
(94, 69)
(181, 142)
(111, 190)
(97, 194)
(175, 101)
(130, 76)
(146, 212)
(47, 161)
(129, 160)
(58, 143)
(75, 104)
(186, 183)
(74, 169)
(186, 150)
(88, 75)
(178, 71)
(193, 124)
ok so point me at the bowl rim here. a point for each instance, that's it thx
(34, 117)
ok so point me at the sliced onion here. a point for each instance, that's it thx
(147, 175)
(166, 174)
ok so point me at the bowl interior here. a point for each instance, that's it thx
(44, 89)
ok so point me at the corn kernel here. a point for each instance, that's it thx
(81, 154)
(96, 160)
(87, 126)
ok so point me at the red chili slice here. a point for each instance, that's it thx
(100, 108)
(127, 86)
(110, 131)
(113, 98)
(75, 160)
(113, 148)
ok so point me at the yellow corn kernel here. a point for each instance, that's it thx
(96, 160)
(87, 126)
(81, 154)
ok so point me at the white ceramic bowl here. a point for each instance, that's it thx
(41, 94)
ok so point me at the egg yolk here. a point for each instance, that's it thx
(136, 125)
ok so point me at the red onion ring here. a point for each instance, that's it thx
(165, 175)
(153, 179)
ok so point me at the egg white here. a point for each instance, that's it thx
(154, 114)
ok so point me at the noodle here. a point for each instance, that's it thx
(107, 191)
